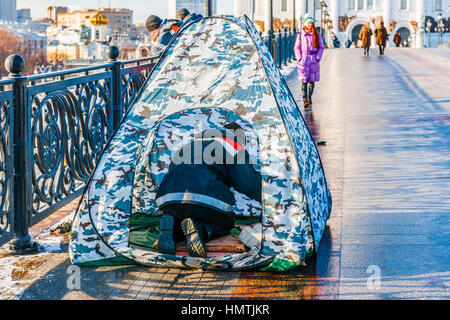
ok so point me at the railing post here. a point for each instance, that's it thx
(286, 45)
(279, 57)
(23, 155)
(283, 43)
(294, 38)
(117, 107)
(272, 44)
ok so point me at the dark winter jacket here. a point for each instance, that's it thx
(365, 35)
(397, 39)
(191, 17)
(167, 30)
(381, 36)
(203, 171)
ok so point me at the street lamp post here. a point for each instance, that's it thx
(321, 18)
(253, 10)
(419, 40)
(326, 19)
(293, 16)
(330, 27)
(268, 25)
(208, 8)
(440, 26)
(324, 14)
(428, 30)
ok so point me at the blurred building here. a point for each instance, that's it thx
(119, 20)
(346, 17)
(8, 10)
(194, 6)
(33, 42)
(52, 13)
(23, 15)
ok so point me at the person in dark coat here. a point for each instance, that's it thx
(161, 32)
(397, 39)
(381, 37)
(195, 197)
(191, 17)
(347, 43)
(335, 41)
(365, 35)
(181, 14)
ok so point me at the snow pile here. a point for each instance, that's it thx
(11, 265)
(9, 288)
(13, 289)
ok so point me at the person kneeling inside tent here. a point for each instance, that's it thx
(195, 196)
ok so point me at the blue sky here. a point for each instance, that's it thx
(141, 8)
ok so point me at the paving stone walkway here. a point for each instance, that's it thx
(386, 123)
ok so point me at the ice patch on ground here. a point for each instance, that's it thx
(11, 288)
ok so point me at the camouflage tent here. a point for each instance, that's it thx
(216, 71)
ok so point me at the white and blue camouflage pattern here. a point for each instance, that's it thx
(215, 71)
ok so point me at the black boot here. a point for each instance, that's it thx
(305, 94)
(195, 238)
(214, 231)
(310, 93)
(166, 240)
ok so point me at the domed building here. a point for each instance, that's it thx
(96, 48)
(346, 17)
(99, 29)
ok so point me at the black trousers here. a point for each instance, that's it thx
(212, 224)
(381, 47)
(307, 89)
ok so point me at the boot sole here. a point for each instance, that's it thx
(195, 246)
(166, 240)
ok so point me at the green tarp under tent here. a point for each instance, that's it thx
(215, 73)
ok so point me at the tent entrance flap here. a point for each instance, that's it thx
(144, 233)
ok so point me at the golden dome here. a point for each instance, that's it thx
(99, 19)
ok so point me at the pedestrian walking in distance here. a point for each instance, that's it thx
(381, 37)
(365, 35)
(308, 52)
(397, 39)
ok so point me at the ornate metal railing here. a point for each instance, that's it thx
(54, 127)
(70, 122)
(281, 45)
(6, 161)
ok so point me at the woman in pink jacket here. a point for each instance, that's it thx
(308, 52)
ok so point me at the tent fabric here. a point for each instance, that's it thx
(168, 136)
(214, 71)
(144, 229)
